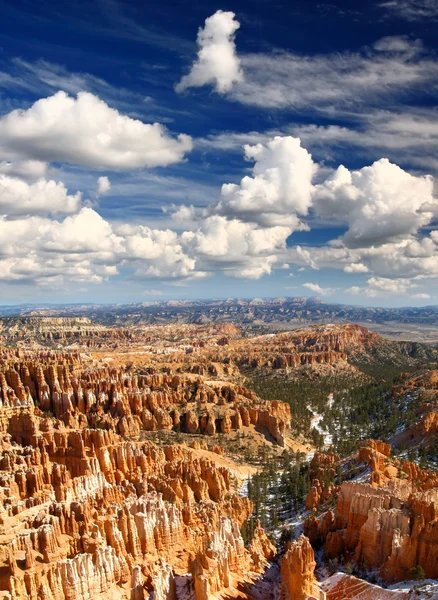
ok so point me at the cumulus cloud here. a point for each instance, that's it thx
(338, 82)
(356, 268)
(79, 244)
(305, 257)
(280, 188)
(48, 235)
(383, 286)
(86, 131)
(80, 248)
(163, 250)
(184, 215)
(103, 185)
(408, 135)
(217, 62)
(84, 232)
(317, 289)
(380, 203)
(18, 198)
(30, 170)
(86, 247)
(392, 260)
(237, 248)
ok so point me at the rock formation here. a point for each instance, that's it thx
(298, 571)
(389, 524)
(90, 511)
(322, 475)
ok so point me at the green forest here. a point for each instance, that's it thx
(362, 405)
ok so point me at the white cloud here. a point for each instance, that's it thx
(305, 257)
(394, 260)
(408, 135)
(234, 247)
(256, 269)
(399, 44)
(383, 286)
(244, 235)
(30, 170)
(380, 203)
(86, 247)
(84, 232)
(217, 62)
(103, 185)
(317, 289)
(18, 198)
(412, 10)
(334, 83)
(163, 252)
(280, 188)
(391, 286)
(184, 215)
(356, 268)
(86, 131)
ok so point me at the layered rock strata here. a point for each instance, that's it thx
(88, 511)
(113, 398)
(390, 524)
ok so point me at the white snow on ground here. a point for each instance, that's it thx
(297, 521)
(427, 589)
(330, 400)
(425, 586)
(316, 423)
(244, 488)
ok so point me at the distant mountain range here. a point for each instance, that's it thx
(250, 312)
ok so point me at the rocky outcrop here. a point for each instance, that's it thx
(298, 571)
(117, 399)
(390, 524)
(90, 511)
(313, 346)
(342, 586)
(226, 563)
(261, 548)
(322, 475)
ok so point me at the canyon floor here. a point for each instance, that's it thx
(188, 461)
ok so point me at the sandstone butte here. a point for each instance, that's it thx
(389, 524)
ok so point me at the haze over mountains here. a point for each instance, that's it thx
(276, 313)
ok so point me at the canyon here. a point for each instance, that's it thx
(89, 510)
(126, 453)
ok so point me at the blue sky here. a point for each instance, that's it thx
(293, 152)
